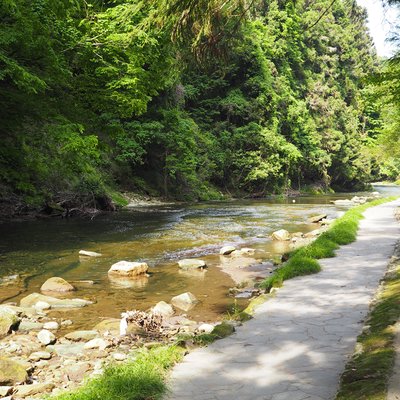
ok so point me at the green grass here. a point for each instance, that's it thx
(303, 261)
(140, 379)
(367, 374)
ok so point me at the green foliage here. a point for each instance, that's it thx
(186, 99)
(138, 379)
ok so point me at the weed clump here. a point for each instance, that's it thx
(138, 379)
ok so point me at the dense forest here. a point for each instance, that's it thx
(190, 100)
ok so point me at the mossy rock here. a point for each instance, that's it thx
(8, 320)
(223, 330)
(12, 372)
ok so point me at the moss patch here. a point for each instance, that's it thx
(223, 330)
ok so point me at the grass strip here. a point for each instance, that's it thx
(367, 374)
(142, 378)
(303, 261)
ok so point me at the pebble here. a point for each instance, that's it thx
(119, 356)
(52, 325)
(40, 355)
(206, 328)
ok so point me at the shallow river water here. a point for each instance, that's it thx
(160, 236)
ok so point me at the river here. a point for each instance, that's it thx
(160, 236)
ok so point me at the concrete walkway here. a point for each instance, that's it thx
(298, 343)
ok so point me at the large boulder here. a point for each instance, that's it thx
(191, 264)
(128, 268)
(317, 218)
(184, 301)
(227, 250)
(56, 284)
(8, 320)
(34, 298)
(164, 309)
(12, 372)
(281, 234)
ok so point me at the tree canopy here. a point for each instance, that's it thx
(187, 99)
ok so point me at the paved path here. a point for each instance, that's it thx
(298, 343)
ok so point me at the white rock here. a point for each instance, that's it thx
(191, 263)
(128, 268)
(123, 326)
(46, 337)
(89, 253)
(281, 234)
(66, 322)
(206, 328)
(52, 325)
(97, 343)
(227, 250)
(5, 390)
(42, 305)
(163, 309)
(346, 202)
(119, 356)
(40, 355)
(184, 301)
